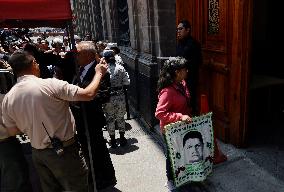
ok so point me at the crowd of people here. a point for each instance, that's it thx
(55, 88)
(63, 99)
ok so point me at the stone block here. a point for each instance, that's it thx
(147, 83)
(129, 56)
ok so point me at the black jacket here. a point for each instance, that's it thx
(94, 107)
(190, 49)
(91, 113)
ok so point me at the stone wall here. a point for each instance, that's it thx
(88, 19)
(152, 38)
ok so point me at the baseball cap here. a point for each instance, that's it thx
(108, 53)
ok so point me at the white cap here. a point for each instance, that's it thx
(108, 53)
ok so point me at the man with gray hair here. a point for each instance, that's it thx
(87, 58)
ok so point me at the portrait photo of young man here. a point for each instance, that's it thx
(193, 147)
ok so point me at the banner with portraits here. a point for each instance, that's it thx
(191, 149)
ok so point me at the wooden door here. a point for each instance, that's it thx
(226, 44)
(224, 28)
(184, 10)
(190, 10)
(216, 65)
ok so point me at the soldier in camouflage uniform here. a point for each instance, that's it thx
(115, 109)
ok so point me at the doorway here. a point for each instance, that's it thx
(266, 92)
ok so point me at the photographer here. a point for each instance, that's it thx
(40, 108)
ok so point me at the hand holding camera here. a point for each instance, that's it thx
(102, 67)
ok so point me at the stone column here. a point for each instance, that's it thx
(130, 55)
(98, 28)
(104, 19)
(152, 38)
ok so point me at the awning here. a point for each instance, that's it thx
(34, 13)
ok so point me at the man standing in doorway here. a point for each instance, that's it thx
(190, 49)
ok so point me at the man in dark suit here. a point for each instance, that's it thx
(91, 116)
(190, 49)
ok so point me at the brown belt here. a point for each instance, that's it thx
(65, 143)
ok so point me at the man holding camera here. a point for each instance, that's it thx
(40, 108)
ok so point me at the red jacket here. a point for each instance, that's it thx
(172, 104)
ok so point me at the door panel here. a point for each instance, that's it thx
(219, 99)
(215, 56)
(184, 10)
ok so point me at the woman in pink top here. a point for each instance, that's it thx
(173, 104)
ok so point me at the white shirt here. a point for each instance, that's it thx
(33, 101)
(86, 68)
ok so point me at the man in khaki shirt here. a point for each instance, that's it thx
(40, 108)
(13, 165)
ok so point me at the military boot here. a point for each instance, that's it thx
(122, 139)
(113, 142)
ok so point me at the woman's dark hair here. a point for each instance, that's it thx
(169, 68)
(20, 61)
(185, 23)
